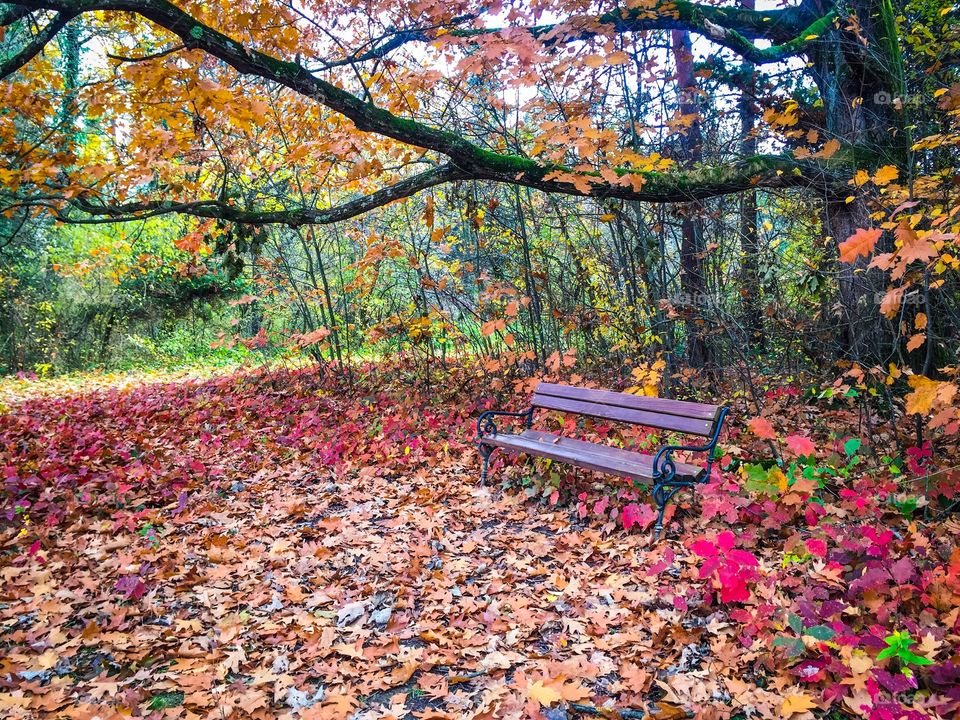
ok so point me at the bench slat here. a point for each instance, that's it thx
(650, 418)
(600, 458)
(684, 470)
(635, 470)
(681, 408)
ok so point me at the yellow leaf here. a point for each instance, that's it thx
(543, 694)
(886, 175)
(926, 393)
(795, 704)
(48, 659)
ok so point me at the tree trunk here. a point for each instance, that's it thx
(693, 283)
(860, 85)
(751, 286)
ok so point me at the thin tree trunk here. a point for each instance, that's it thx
(751, 288)
(693, 283)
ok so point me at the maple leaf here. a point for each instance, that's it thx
(795, 704)
(913, 248)
(800, 444)
(860, 244)
(634, 514)
(886, 175)
(546, 695)
(926, 393)
(761, 427)
(829, 149)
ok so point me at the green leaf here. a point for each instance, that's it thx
(851, 446)
(887, 652)
(795, 622)
(164, 700)
(820, 632)
(909, 657)
(758, 480)
(793, 645)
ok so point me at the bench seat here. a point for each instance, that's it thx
(592, 456)
(666, 475)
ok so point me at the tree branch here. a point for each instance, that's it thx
(146, 58)
(768, 171)
(791, 29)
(224, 210)
(12, 13)
(36, 44)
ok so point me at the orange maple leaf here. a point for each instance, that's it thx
(861, 243)
(762, 428)
(913, 247)
(543, 694)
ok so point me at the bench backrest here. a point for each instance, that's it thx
(677, 415)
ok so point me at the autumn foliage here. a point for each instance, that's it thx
(380, 219)
(279, 543)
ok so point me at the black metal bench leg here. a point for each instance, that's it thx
(661, 502)
(485, 452)
(661, 496)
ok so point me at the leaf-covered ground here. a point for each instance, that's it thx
(285, 545)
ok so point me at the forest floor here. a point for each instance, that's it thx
(277, 544)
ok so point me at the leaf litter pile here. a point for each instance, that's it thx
(277, 544)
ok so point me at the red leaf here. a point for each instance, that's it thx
(817, 548)
(704, 548)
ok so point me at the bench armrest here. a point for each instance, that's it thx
(487, 426)
(664, 468)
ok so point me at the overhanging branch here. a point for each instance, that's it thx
(789, 29)
(35, 45)
(96, 213)
(764, 171)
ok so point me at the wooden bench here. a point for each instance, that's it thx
(668, 476)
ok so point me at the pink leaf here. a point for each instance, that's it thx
(800, 445)
(726, 540)
(634, 514)
(704, 548)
